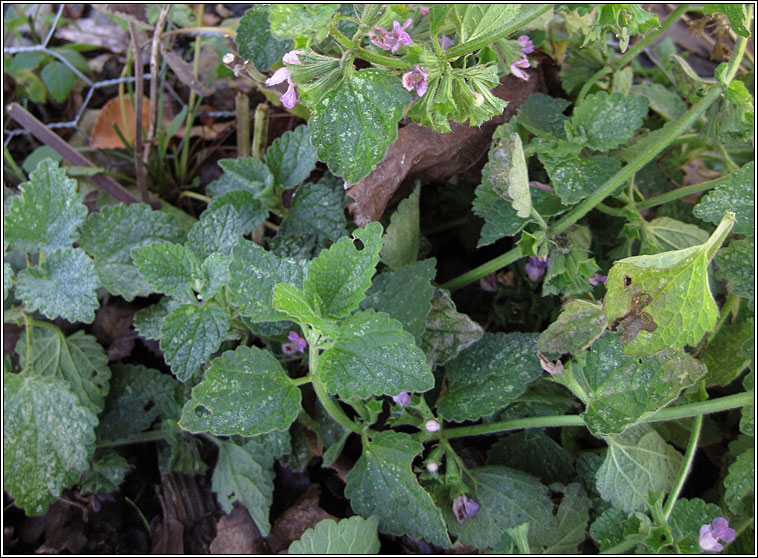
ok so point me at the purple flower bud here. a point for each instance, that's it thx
(711, 534)
(535, 268)
(432, 426)
(401, 37)
(445, 42)
(391, 41)
(291, 57)
(464, 508)
(282, 74)
(416, 79)
(527, 46)
(402, 399)
(596, 279)
(289, 99)
(516, 68)
(488, 283)
(297, 345)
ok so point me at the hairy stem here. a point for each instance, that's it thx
(331, 406)
(689, 455)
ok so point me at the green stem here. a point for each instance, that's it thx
(195, 196)
(28, 327)
(149, 436)
(692, 410)
(331, 406)
(624, 545)
(527, 14)
(260, 131)
(483, 270)
(689, 455)
(242, 106)
(301, 381)
(616, 212)
(679, 193)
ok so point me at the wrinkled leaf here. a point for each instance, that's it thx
(575, 179)
(401, 239)
(739, 482)
(353, 535)
(216, 232)
(737, 263)
(256, 43)
(291, 157)
(576, 327)
(536, 453)
(735, 192)
(447, 331)
(170, 268)
(251, 212)
(608, 120)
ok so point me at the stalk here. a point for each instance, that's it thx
(689, 455)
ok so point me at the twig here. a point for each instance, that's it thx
(154, 51)
(139, 169)
(46, 136)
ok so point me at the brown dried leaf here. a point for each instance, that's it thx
(136, 13)
(104, 134)
(184, 72)
(236, 533)
(302, 515)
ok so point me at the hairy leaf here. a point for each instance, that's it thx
(245, 391)
(572, 517)
(686, 519)
(735, 192)
(739, 482)
(738, 19)
(251, 212)
(382, 483)
(401, 239)
(576, 327)
(737, 263)
(730, 352)
(46, 214)
(353, 535)
(536, 453)
(636, 463)
(473, 21)
(291, 157)
(489, 374)
(373, 355)
(289, 21)
(447, 331)
(106, 473)
(63, 285)
(506, 170)
(170, 268)
(663, 233)
(256, 43)
(608, 120)
(246, 173)
(543, 116)
(575, 179)
(354, 123)
(216, 232)
(500, 219)
(190, 334)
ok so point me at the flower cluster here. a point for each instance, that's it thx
(710, 534)
(518, 67)
(289, 99)
(391, 41)
(296, 345)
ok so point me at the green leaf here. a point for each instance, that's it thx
(664, 301)
(614, 526)
(739, 483)
(109, 235)
(245, 473)
(138, 395)
(182, 453)
(48, 438)
(663, 100)
(381, 483)
(636, 463)
(608, 120)
(63, 285)
(401, 239)
(254, 274)
(569, 269)
(447, 331)
(405, 294)
(664, 233)
(735, 192)
(688, 83)
(170, 268)
(738, 19)
(303, 309)
(341, 274)
(289, 21)
(575, 179)
(8, 276)
(190, 335)
(506, 170)
(726, 356)
(149, 320)
(218, 231)
(576, 327)
(256, 43)
(77, 359)
(737, 263)
(354, 123)
(106, 473)
(623, 389)
(46, 214)
(747, 419)
(686, 519)
(572, 517)
(58, 79)
(246, 173)
(543, 116)
(245, 391)
(506, 498)
(489, 375)
(373, 355)
(500, 219)
(291, 157)
(250, 211)
(214, 273)
(473, 21)
(353, 535)
(316, 214)
(536, 453)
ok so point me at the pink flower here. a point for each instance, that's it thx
(416, 80)
(297, 345)
(464, 508)
(391, 41)
(289, 99)
(710, 535)
(423, 9)
(527, 46)
(292, 56)
(445, 42)
(402, 399)
(488, 283)
(535, 268)
(596, 279)
(516, 68)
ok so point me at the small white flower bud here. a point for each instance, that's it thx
(228, 58)
(432, 426)
(432, 467)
